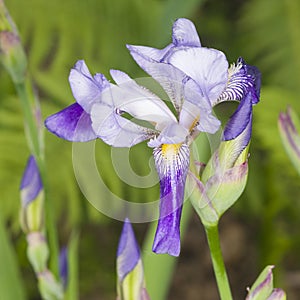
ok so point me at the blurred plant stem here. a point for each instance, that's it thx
(33, 130)
(13, 58)
(212, 234)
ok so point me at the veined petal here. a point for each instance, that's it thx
(207, 67)
(185, 33)
(31, 183)
(138, 101)
(242, 79)
(72, 124)
(86, 89)
(128, 253)
(170, 78)
(172, 163)
(115, 130)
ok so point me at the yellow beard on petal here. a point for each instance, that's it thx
(170, 150)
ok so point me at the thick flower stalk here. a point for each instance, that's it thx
(32, 222)
(123, 114)
(263, 288)
(130, 282)
(289, 128)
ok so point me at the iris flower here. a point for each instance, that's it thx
(123, 114)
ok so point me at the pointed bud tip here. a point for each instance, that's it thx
(31, 183)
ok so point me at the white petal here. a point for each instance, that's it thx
(208, 67)
(189, 115)
(115, 130)
(138, 101)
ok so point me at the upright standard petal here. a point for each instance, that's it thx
(86, 89)
(172, 163)
(31, 184)
(170, 78)
(185, 33)
(72, 124)
(207, 67)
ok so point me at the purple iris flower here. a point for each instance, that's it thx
(194, 78)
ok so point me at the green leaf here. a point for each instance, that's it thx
(11, 286)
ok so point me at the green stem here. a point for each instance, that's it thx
(212, 234)
(24, 90)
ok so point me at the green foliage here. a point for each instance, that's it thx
(11, 285)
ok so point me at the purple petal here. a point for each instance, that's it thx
(240, 123)
(128, 253)
(86, 88)
(185, 33)
(172, 163)
(242, 79)
(207, 67)
(115, 130)
(72, 124)
(31, 183)
(63, 266)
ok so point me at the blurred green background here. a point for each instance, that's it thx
(266, 33)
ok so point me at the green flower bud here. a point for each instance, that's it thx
(262, 289)
(12, 54)
(37, 251)
(49, 287)
(289, 128)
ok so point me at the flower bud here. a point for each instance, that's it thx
(50, 289)
(130, 272)
(32, 198)
(12, 54)
(289, 126)
(262, 289)
(225, 175)
(37, 251)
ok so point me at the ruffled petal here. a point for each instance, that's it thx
(207, 67)
(115, 130)
(170, 78)
(185, 33)
(72, 124)
(86, 89)
(138, 101)
(172, 163)
(242, 79)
